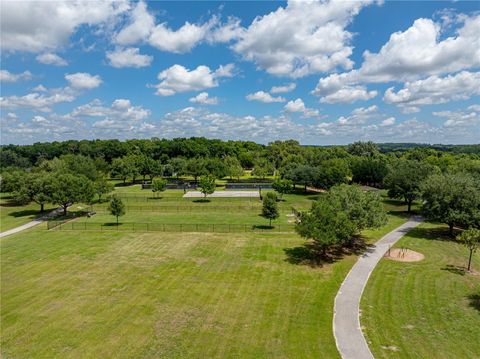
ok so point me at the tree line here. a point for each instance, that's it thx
(446, 182)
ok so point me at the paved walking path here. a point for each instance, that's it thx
(30, 224)
(346, 318)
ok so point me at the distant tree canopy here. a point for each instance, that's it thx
(36, 187)
(30, 173)
(369, 170)
(363, 149)
(332, 172)
(405, 178)
(282, 186)
(68, 189)
(453, 199)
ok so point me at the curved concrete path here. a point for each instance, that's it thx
(346, 313)
(30, 224)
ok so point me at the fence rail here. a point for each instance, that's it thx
(151, 198)
(168, 227)
(180, 208)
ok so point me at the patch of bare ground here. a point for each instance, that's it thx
(404, 255)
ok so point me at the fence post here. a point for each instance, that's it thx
(85, 226)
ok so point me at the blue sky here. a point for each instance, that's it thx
(328, 72)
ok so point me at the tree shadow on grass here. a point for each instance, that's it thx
(263, 226)
(433, 234)
(201, 200)
(306, 255)
(10, 203)
(474, 301)
(455, 269)
(309, 254)
(394, 202)
(121, 184)
(24, 213)
(112, 224)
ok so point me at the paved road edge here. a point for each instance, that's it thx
(347, 330)
(30, 224)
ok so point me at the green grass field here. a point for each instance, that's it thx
(12, 215)
(426, 309)
(77, 294)
(80, 295)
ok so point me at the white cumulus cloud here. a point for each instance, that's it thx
(459, 118)
(50, 58)
(36, 101)
(265, 97)
(299, 106)
(283, 89)
(129, 57)
(36, 26)
(411, 55)
(302, 38)
(177, 79)
(388, 122)
(435, 90)
(7, 76)
(83, 80)
(119, 110)
(140, 26)
(203, 98)
(178, 41)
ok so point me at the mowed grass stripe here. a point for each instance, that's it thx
(89, 294)
(422, 309)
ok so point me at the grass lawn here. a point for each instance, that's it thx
(171, 208)
(78, 295)
(12, 215)
(426, 309)
(75, 294)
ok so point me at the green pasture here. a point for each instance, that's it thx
(85, 294)
(14, 215)
(152, 295)
(426, 309)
